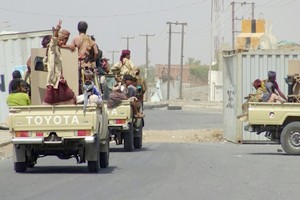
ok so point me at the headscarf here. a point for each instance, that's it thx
(124, 54)
(257, 83)
(46, 40)
(272, 75)
(16, 74)
(63, 34)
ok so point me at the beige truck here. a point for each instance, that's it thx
(122, 126)
(279, 122)
(65, 131)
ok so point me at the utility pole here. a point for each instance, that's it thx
(128, 38)
(113, 56)
(234, 18)
(147, 59)
(169, 60)
(169, 54)
(181, 57)
(147, 54)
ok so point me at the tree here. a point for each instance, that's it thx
(199, 72)
(150, 75)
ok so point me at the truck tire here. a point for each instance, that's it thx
(128, 138)
(290, 138)
(104, 155)
(93, 166)
(20, 167)
(138, 141)
(104, 159)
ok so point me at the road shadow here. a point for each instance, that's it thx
(67, 170)
(120, 149)
(273, 154)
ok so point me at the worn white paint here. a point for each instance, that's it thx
(14, 51)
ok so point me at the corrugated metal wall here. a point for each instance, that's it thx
(239, 71)
(14, 51)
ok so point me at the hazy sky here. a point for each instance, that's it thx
(111, 20)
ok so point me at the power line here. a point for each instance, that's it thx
(106, 16)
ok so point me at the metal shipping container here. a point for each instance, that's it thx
(239, 72)
(14, 51)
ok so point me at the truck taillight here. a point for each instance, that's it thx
(39, 134)
(83, 133)
(120, 121)
(22, 134)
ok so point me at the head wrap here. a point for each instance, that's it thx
(63, 34)
(16, 74)
(257, 83)
(124, 54)
(46, 40)
(271, 75)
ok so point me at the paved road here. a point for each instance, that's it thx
(160, 119)
(163, 171)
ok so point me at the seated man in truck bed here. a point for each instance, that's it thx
(116, 97)
(18, 95)
(90, 94)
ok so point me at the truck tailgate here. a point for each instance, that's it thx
(48, 118)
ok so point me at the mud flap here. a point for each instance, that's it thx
(19, 153)
(92, 151)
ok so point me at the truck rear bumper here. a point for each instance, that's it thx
(118, 126)
(26, 140)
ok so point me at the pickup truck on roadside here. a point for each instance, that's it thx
(279, 122)
(66, 131)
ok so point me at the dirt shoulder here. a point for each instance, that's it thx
(204, 135)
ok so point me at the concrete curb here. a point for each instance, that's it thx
(4, 143)
(152, 106)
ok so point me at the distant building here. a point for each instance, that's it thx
(161, 71)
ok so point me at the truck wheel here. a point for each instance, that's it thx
(128, 138)
(138, 141)
(20, 166)
(290, 138)
(104, 159)
(93, 166)
(104, 155)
